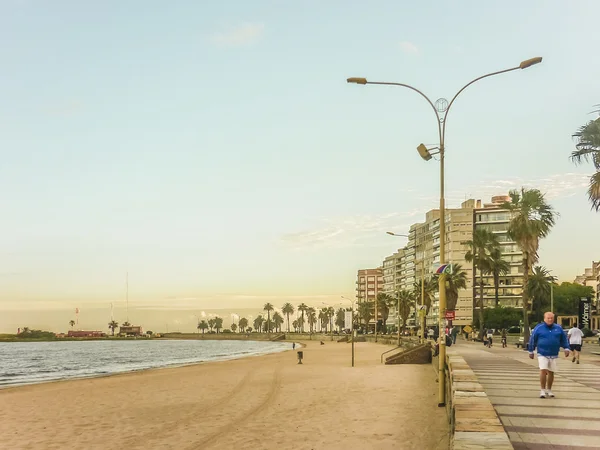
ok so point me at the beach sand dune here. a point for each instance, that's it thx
(260, 402)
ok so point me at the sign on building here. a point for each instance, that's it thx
(585, 313)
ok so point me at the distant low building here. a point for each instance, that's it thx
(131, 330)
(86, 334)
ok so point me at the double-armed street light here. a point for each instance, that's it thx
(441, 108)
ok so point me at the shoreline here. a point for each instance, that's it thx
(148, 369)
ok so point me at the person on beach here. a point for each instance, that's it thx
(293, 345)
(575, 341)
(548, 338)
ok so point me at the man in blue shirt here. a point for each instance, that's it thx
(548, 338)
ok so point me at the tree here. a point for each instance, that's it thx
(268, 308)
(532, 220)
(324, 318)
(431, 287)
(258, 323)
(277, 321)
(218, 323)
(406, 301)
(455, 281)
(249, 330)
(202, 325)
(497, 266)
(588, 150)
(149, 333)
(364, 313)
(288, 309)
(567, 295)
(296, 325)
(330, 315)
(302, 308)
(243, 324)
(211, 323)
(113, 325)
(500, 318)
(538, 289)
(233, 327)
(72, 323)
(483, 244)
(311, 315)
(384, 303)
(340, 319)
(126, 324)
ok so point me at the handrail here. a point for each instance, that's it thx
(396, 348)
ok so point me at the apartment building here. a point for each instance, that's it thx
(369, 283)
(493, 218)
(591, 277)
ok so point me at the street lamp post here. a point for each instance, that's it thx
(441, 109)
(351, 326)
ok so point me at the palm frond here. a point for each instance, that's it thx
(594, 191)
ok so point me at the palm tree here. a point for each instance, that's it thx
(211, 323)
(330, 315)
(497, 266)
(277, 321)
(538, 289)
(268, 308)
(406, 301)
(302, 308)
(112, 325)
(243, 324)
(202, 325)
(295, 325)
(455, 280)
(72, 323)
(532, 220)
(588, 150)
(233, 327)
(482, 245)
(218, 324)
(311, 317)
(324, 318)
(340, 319)
(431, 287)
(126, 324)
(288, 309)
(364, 313)
(258, 323)
(384, 303)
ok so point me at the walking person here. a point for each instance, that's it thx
(454, 334)
(548, 338)
(503, 337)
(490, 336)
(575, 341)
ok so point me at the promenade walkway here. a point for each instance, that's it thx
(571, 420)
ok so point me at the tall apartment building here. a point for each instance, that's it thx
(591, 277)
(394, 280)
(369, 283)
(493, 218)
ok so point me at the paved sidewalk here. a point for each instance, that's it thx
(511, 381)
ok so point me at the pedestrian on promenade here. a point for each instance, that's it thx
(503, 337)
(490, 337)
(454, 334)
(548, 338)
(575, 341)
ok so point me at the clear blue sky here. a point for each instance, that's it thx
(215, 151)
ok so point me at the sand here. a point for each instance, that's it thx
(259, 403)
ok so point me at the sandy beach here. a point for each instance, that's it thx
(259, 402)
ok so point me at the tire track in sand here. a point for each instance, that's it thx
(193, 416)
(236, 422)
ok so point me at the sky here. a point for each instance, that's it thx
(215, 153)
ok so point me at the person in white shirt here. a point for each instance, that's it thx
(575, 341)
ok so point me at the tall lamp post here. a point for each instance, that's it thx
(351, 326)
(441, 109)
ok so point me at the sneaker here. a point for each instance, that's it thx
(542, 394)
(577, 361)
(549, 393)
(573, 359)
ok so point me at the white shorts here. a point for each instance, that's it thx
(547, 363)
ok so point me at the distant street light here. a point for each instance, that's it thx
(441, 108)
(351, 326)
